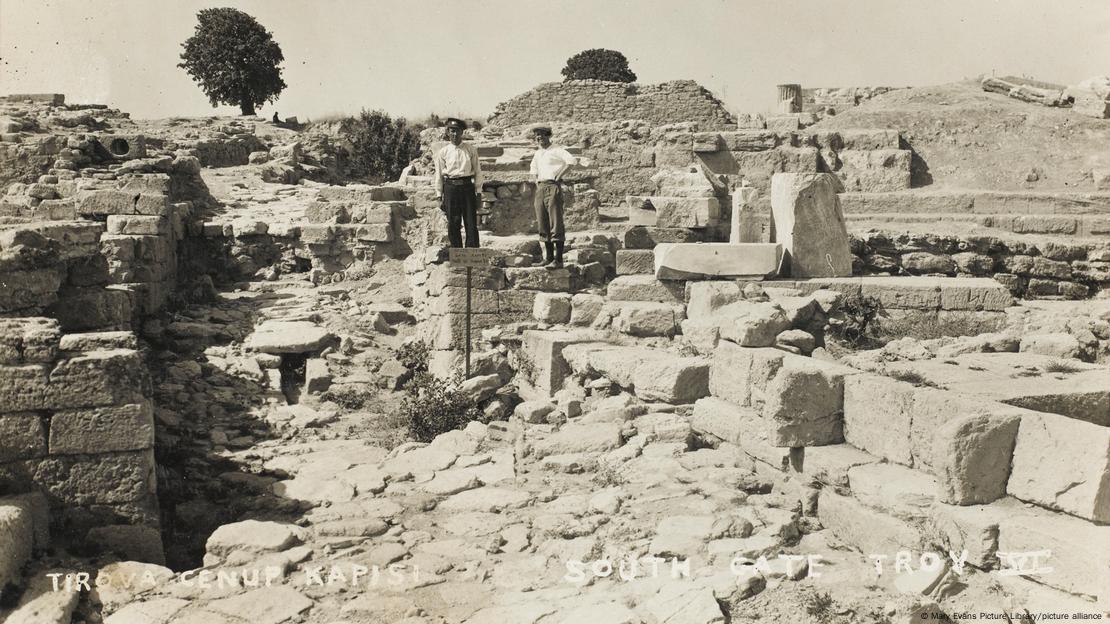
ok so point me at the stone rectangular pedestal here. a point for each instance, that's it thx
(682, 261)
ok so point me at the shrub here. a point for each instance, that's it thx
(413, 355)
(858, 319)
(432, 406)
(598, 64)
(380, 146)
(234, 59)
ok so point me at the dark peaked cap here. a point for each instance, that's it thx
(544, 130)
(456, 123)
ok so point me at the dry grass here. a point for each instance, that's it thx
(1061, 366)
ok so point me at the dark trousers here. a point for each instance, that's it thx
(461, 206)
(549, 212)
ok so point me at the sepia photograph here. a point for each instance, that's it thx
(580, 312)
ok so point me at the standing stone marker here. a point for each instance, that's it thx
(807, 221)
(745, 223)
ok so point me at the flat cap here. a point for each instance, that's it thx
(456, 123)
(544, 130)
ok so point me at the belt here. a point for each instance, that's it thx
(548, 182)
(459, 178)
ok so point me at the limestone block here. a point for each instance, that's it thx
(727, 421)
(253, 536)
(452, 300)
(648, 318)
(328, 212)
(317, 377)
(972, 528)
(804, 405)
(99, 341)
(751, 323)
(750, 140)
(1064, 464)
(107, 202)
(705, 297)
(133, 542)
(641, 237)
(361, 193)
(741, 375)
(103, 429)
(877, 416)
(513, 301)
(16, 537)
(644, 288)
(683, 261)
(869, 139)
(1080, 550)
(109, 478)
(863, 528)
(809, 224)
(374, 232)
(539, 278)
(585, 308)
(746, 226)
(545, 348)
(971, 457)
(829, 465)
(673, 212)
(552, 307)
(28, 340)
(874, 171)
(654, 375)
(635, 261)
(899, 491)
(83, 309)
(449, 330)
(29, 289)
(1061, 344)
(22, 436)
(138, 224)
(289, 337)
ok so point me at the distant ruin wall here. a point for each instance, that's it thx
(598, 101)
(840, 98)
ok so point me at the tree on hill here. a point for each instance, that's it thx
(598, 64)
(234, 59)
(381, 147)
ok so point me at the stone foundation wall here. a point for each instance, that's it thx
(596, 101)
(1050, 269)
(78, 426)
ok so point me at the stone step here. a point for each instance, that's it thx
(652, 374)
(981, 202)
(915, 293)
(684, 261)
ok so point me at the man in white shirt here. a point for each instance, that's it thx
(458, 183)
(548, 165)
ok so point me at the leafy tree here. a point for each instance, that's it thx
(234, 59)
(598, 64)
(381, 147)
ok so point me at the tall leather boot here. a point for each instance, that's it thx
(549, 254)
(558, 264)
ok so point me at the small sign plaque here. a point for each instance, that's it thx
(470, 257)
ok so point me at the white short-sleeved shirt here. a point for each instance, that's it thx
(549, 163)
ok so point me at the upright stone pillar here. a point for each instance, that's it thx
(745, 224)
(808, 222)
(790, 98)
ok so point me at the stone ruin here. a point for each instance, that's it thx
(200, 336)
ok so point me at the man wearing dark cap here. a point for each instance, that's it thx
(458, 181)
(548, 165)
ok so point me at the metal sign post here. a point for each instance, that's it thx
(470, 258)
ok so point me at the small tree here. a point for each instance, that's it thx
(234, 59)
(381, 147)
(598, 64)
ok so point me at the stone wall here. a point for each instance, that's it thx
(839, 98)
(596, 101)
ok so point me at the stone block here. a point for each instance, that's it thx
(804, 405)
(746, 226)
(750, 323)
(727, 421)
(1064, 464)
(877, 416)
(641, 237)
(138, 224)
(22, 436)
(1045, 224)
(28, 340)
(103, 479)
(809, 224)
(644, 288)
(635, 261)
(682, 261)
(516, 301)
(829, 465)
(361, 193)
(317, 377)
(83, 309)
(279, 337)
(741, 375)
(874, 171)
(673, 212)
(585, 308)
(16, 537)
(648, 318)
(36, 288)
(452, 300)
(99, 341)
(869, 139)
(552, 307)
(971, 457)
(545, 348)
(107, 202)
(972, 528)
(654, 375)
(539, 278)
(103, 429)
(865, 529)
(449, 330)
(131, 542)
(896, 490)
(705, 297)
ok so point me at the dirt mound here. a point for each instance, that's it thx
(972, 139)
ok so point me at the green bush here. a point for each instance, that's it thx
(380, 146)
(857, 319)
(413, 355)
(598, 64)
(432, 406)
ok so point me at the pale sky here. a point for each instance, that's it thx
(411, 58)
